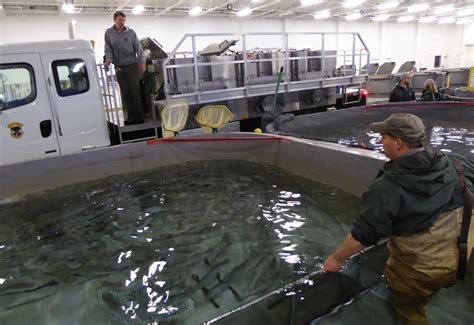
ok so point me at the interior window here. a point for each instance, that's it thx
(17, 85)
(70, 77)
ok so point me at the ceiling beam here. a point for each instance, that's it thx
(122, 5)
(264, 6)
(293, 10)
(169, 8)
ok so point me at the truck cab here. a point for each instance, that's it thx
(50, 100)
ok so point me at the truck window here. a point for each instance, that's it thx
(70, 77)
(17, 85)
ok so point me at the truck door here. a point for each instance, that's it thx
(26, 122)
(76, 100)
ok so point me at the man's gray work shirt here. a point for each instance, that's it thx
(123, 48)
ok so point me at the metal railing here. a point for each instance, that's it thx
(110, 93)
(111, 96)
(113, 107)
(356, 57)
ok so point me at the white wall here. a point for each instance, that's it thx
(387, 41)
(468, 42)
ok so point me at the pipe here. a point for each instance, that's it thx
(72, 29)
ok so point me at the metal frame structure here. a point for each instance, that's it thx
(354, 57)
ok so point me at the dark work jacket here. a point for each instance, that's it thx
(409, 195)
(428, 96)
(400, 94)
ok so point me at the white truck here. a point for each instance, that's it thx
(50, 100)
(53, 94)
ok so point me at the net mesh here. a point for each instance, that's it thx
(174, 117)
(213, 117)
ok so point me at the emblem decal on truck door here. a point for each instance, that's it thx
(16, 130)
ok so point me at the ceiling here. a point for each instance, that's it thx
(263, 9)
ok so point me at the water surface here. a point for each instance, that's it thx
(183, 243)
(449, 127)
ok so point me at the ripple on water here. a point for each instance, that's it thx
(184, 242)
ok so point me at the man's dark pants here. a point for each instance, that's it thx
(128, 79)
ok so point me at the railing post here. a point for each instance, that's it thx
(343, 63)
(368, 58)
(288, 71)
(196, 71)
(244, 55)
(323, 77)
(105, 94)
(353, 52)
(165, 80)
(114, 96)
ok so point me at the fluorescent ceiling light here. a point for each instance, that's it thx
(309, 2)
(138, 9)
(352, 3)
(428, 19)
(354, 16)
(466, 12)
(448, 20)
(195, 11)
(322, 14)
(405, 19)
(388, 5)
(68, 8)
(419, 7)
(380, 17)
(244, 12)
(463, 21)
(443, 10)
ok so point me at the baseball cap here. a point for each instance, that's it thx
(408, 127)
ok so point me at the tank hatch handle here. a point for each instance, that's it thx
(46, 128)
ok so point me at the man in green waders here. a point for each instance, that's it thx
(416, 201)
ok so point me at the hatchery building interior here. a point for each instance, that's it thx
(236, 162)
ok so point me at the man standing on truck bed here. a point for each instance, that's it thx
(125, 52)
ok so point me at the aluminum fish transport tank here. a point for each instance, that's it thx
(457, 77)
(383, 81)
(370, 68)
(241, 73)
